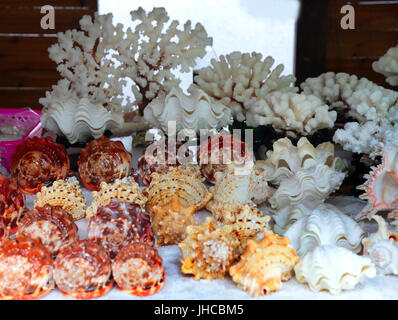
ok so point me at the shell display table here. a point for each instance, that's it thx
(182, 287)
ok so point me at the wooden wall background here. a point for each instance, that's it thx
(322, 45)
(26, 71)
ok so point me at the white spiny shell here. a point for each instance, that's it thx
(382, 248)
(195, 111)
(333, 269)
(78, 119)
(326, 225)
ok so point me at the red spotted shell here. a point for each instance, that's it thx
(103, 160)
(219, 150)
(52, 226)
(118, 224)
(138, 270)
(157, 158)
(82, 270)
(26, 269)
(39, 162)
(12, 203)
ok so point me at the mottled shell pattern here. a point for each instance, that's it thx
(125, 189)
(334, 269)
(12, 203)
(382, 248)
(381, 187)
(103, 160)
(264, 265)
(326, 225)
(38, 162)
(208, 250)
(184, 181)
(66, 194)
(170, 220)
(54, 227)
(138, 270)
(26, 269)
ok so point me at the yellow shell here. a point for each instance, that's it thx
(185, 181)
(125, 189)
(264, 265)
(64, 193)
(170, 220)
(208, 250)
(247, 223)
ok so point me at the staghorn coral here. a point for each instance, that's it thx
(387, 65)
(292, 113)
(264, 265)
(207, 252)
(239, 77)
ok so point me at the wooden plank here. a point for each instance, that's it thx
(20, 98)
(27, 21)
(17, 4)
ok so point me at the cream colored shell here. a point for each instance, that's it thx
(125, 189)
(326, 225)
(264, 265)
(334, 269)
(64, 193)
(185, 181)
(195, 111)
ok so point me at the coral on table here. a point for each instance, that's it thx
(387, 65)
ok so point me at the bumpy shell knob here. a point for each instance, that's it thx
(103, 160)
(12, 204)
(118, 224)
(26, 270)
(39, 162)
(83, 270)
(218, 151)
(138, 270)
(52, 226)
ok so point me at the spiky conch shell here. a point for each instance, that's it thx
(38, 162)
(125, 189)
(170, 220)
(333, 268)
(381, 186)
(382, 248)
(52, 226)
(208, 250)
(184, 181)
(325, 225)
(12, 205)
(138, 270)
(97, 153)
(264, 265)
(66, 194)
(26, 269)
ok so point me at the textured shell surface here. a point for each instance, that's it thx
(264, 265)
(326, 225)
(66, 194)
(381, 186)
(79, 119)
(125, 189)
(333, 268)
(382, 248)
(194, 111)
(387, 65)
(184, 181)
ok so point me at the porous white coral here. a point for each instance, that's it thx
(293, 113)
(239, 77)
(387, 65)
(194, 111)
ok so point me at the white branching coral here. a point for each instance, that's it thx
(239, 77)
(387, 65)
(100, 61)
(293, 113)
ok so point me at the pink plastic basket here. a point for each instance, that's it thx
(27, 120)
